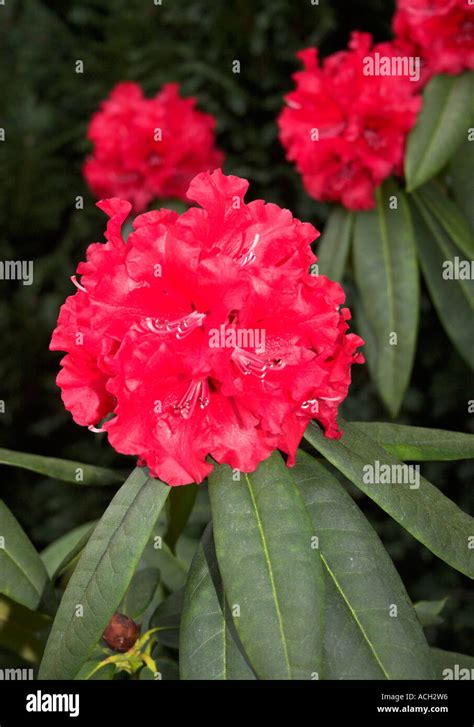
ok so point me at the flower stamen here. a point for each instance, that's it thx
(276, 364)
(313, 404)
(249, 363)
(77, 284)
(197, 391)
(249, 256)
(310, 403)
(181, 327)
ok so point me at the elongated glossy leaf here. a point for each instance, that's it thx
(173, 570)
(167, 617)
(105, 673)
(270, 571)
(22, 631)
(347, 654)
(23, 576)
(186, 549)
(209, 645)
(181, 502)
(460, 171)
(418, 443)
(157, 554)
(61, 469)
(441, 126)
(449, 216)
(420, 508)
(102, 575)
(449, 665)
(386, 273)
(146, 674)
(429, 612)
(452, 297)
(381, 637)
(332, 249)
(140, 592)
(59, 554)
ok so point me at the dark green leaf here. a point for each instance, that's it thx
(462, 178)
(61, 469)
(347, 654)
(209, 646)
(371, 629)
(270, 571)
(420, 508)
(103, 574)
(332, 249)
(181, 502)
(449, 216)
(140, 592)
(441, 126)
(186, 548)
(449, 665)
(386, 273)
(23, 576)
(429, 612)
(453, 298)
(167, 618)
(173, 571)
(105, 673)
(58, 555)
(418, 443)
(146, 675)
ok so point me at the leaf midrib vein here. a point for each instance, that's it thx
(437, 126)
(386, 256)
(355, 617)
(270, 571)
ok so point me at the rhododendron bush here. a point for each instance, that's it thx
(204, 347)
(248, 501)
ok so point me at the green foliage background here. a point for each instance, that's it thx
(46, 106)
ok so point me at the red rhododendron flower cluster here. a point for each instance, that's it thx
(148, 148)
(205, 334)
(440, 31)
(345, 129)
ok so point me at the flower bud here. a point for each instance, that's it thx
(121, 633)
